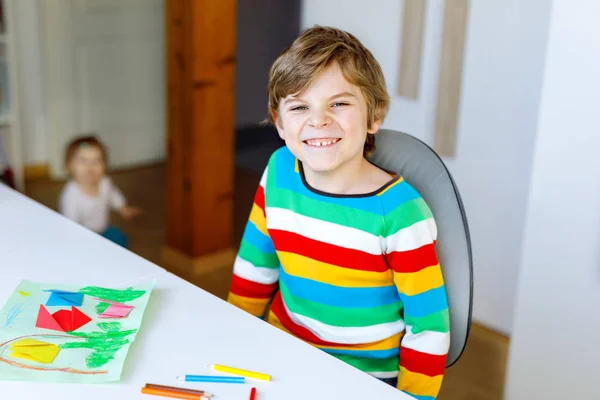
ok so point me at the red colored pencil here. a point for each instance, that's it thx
(252, 393)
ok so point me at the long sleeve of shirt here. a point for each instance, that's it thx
(256, 268)
(411, 237)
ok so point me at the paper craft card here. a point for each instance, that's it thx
(41, 340)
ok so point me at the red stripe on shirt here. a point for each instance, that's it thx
(259, 198)
(422, 363)
(327, 253)
(413, 260)
(246, 288)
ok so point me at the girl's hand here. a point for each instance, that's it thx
(130, 212)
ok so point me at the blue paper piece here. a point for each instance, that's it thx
(62, 298)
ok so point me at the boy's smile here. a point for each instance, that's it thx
(325, 142)
(325, 127)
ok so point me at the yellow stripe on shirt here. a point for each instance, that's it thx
(257, 217)
(308, 268)
(255, 307)
(413, 283)
(419, 384)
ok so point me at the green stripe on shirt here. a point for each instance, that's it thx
(437, 322)
(251, 254)
(353, 218)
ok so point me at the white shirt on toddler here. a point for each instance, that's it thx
(91, 212)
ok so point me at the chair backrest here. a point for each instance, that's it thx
(426, 172)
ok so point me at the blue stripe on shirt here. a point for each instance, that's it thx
(423, 304)
(258, 239)
(336, 296)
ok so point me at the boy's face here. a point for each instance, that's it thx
(87, 165)
(325, 126)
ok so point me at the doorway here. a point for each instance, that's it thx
(264, 29)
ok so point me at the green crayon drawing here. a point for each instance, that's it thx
(105, 344)
(109, 326)
(118, 296)
(101, 307)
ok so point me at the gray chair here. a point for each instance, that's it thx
(426, 172)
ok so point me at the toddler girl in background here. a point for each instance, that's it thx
(89, 195)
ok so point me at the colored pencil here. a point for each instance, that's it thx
(252, 394)
(172, 394)
(212, 378)
(241, 372)
(180, 390)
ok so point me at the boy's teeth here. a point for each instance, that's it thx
(321, 142)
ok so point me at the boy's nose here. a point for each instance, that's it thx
(318, 119)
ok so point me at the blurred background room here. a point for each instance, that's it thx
(505, 90)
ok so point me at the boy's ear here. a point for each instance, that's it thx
(374, 126)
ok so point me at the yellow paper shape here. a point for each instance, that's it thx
(34, 350)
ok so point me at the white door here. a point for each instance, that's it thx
(105, 73)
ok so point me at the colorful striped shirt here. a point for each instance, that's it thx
(354, 275)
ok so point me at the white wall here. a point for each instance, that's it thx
(501, 90)
(31, 104)
(555, 346)
(500, 95)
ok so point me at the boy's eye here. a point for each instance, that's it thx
(299, 108)
(339, 104)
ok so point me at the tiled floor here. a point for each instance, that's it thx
(479, 375)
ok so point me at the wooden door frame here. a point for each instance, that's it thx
(201, 44)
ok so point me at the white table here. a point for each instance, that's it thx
(184, 327)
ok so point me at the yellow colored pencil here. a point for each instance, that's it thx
(241, 372)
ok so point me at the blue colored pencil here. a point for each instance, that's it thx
(212, 378)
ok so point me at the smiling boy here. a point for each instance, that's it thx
(343, 250)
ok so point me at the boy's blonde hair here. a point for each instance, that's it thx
(315, 50)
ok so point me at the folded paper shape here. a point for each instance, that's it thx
(34, 350)
(116, 310)
(63, 320)
(64, 298)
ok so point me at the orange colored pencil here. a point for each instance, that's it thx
(172, 394)
(180, 390)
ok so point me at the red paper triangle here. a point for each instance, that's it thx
(47, 321)
(78, 319)
(63, 317)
